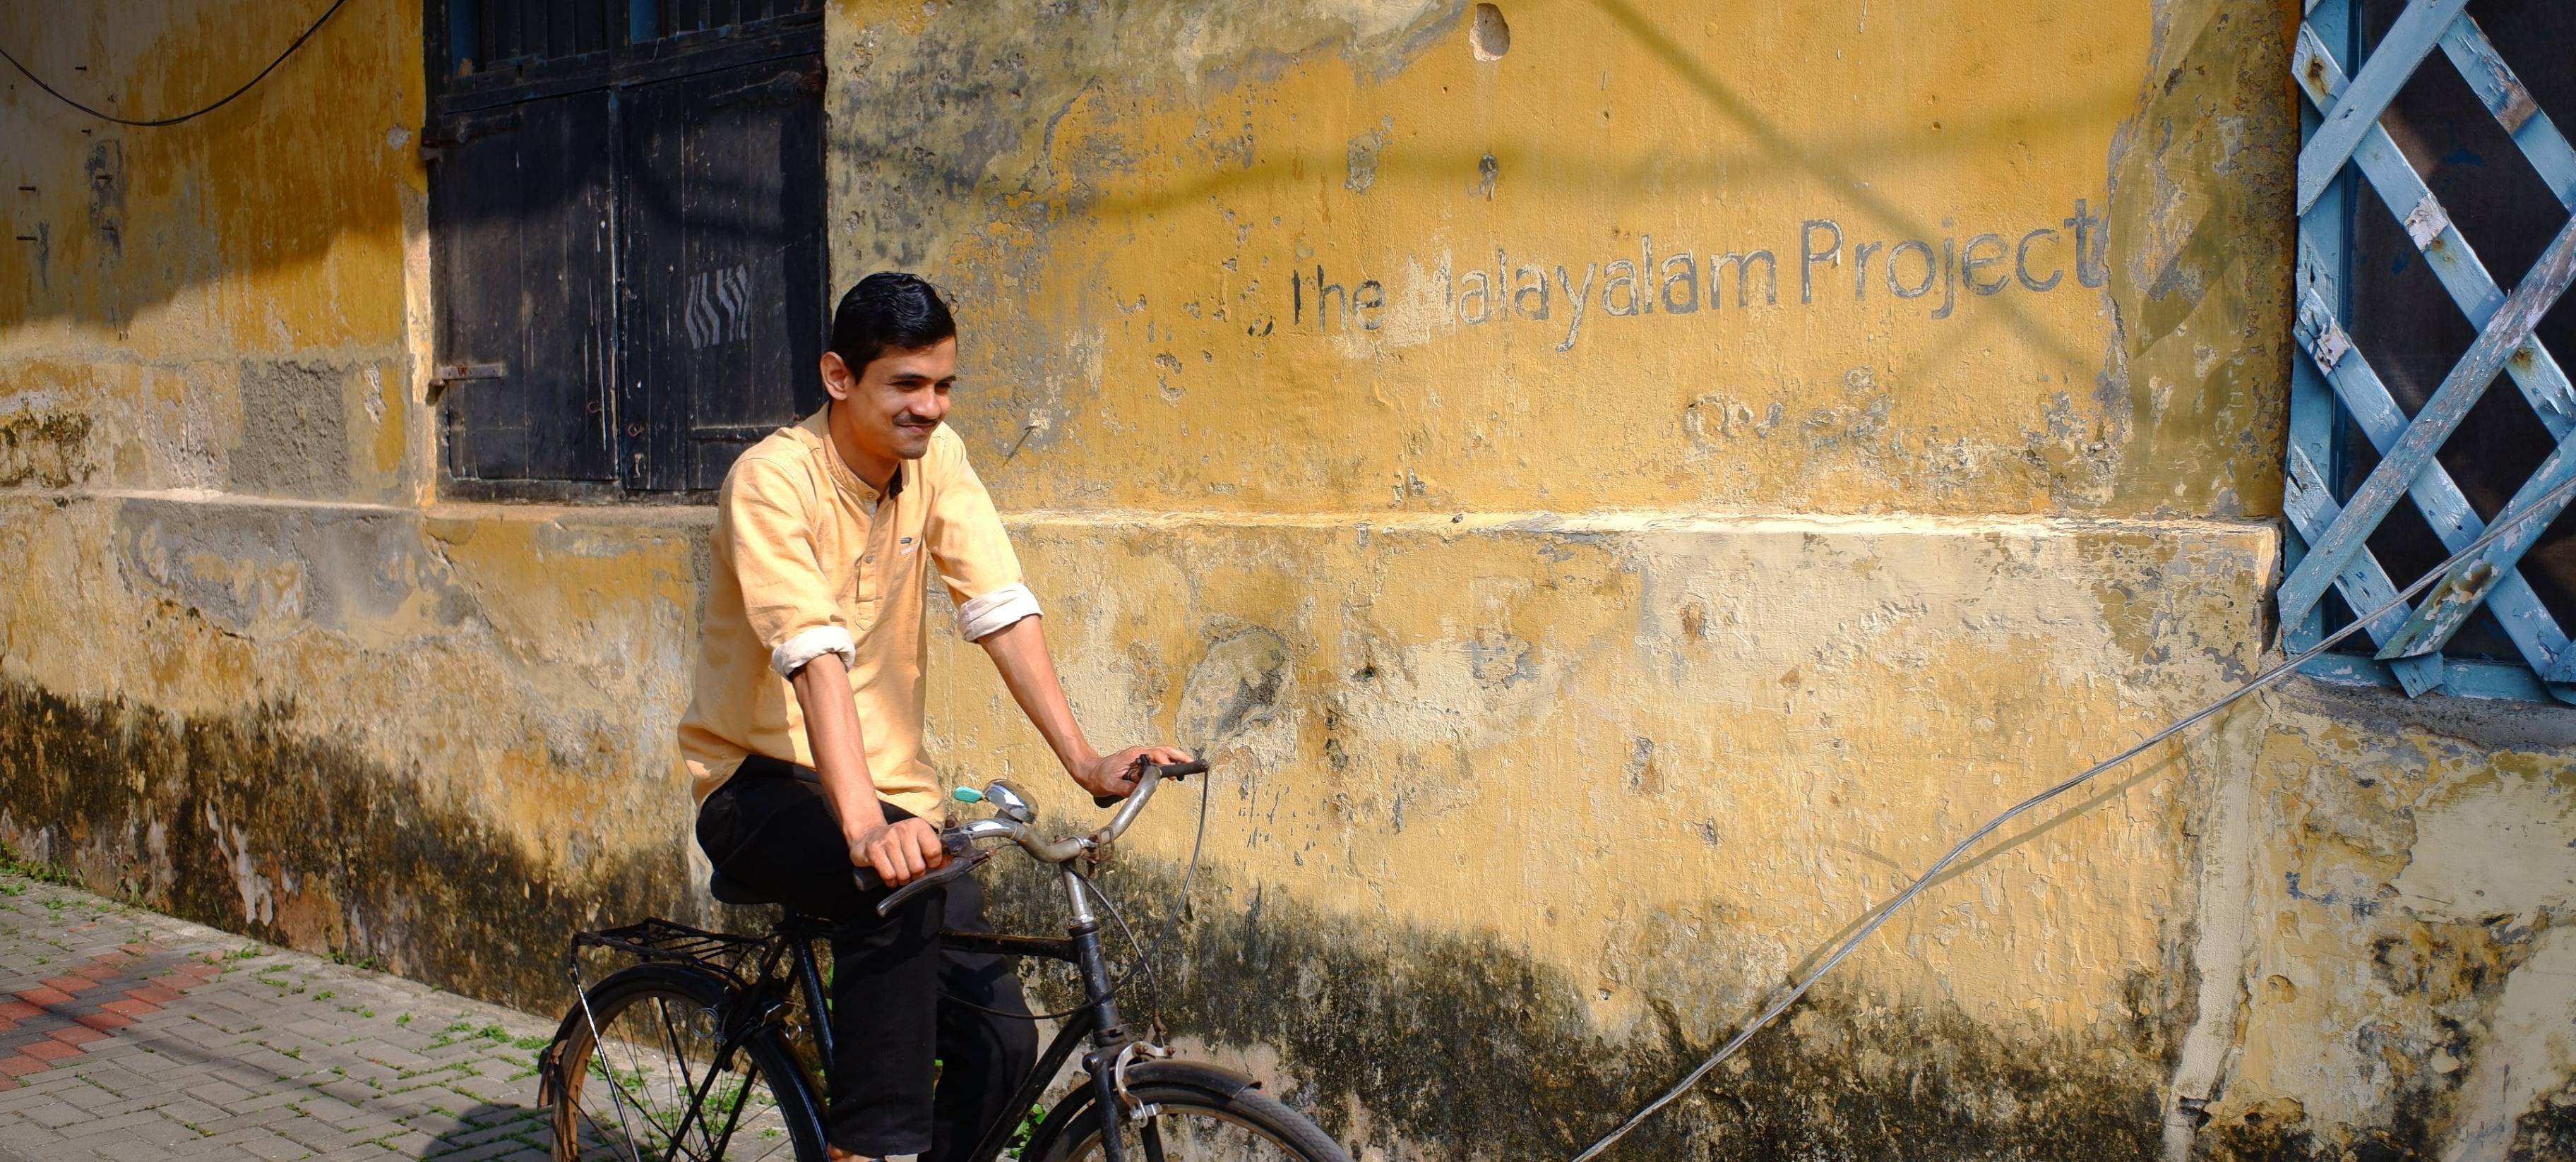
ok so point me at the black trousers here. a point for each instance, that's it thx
(893, 987)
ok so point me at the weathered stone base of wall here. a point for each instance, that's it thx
(1515, 816)
(434, 740)
(250, 822)
(1420, 1042)
(1427, 1044)
(2408, 932)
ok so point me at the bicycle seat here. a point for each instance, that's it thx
(727, 890)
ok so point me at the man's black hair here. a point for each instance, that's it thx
(888, 311)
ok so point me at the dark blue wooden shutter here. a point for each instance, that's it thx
(724, 261)
(521, 227)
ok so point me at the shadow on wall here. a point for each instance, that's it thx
(107, 221)
(923, 168)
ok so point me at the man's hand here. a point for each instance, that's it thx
(1114, 775)
(899, 850)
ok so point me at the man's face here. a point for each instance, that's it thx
(892, 405)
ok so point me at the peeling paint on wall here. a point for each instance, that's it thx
(1585, 497)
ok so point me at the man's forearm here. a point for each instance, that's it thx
(1019, 652)
(840, 751)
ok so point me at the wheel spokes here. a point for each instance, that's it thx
(653, 1090)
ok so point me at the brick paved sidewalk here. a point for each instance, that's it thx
(131, 1036)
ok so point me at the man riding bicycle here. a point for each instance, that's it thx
(803, 735)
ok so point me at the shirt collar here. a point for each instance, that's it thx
(819, 425)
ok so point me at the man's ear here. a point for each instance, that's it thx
(838, 380)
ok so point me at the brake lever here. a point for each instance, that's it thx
(958, 865)
(1137, 769)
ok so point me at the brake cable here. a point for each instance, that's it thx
(1145, 955)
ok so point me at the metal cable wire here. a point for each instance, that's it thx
(1880, 915)
(1181, 907)
(1148, 955)
(159, 122)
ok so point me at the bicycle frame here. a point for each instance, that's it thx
(756, 1000)
(1096, 1020)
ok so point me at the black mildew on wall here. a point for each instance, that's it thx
(1457, 1043)
(49, 449)
(251, 822)
(1452, 1043)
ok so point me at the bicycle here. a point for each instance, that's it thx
(702, 1053)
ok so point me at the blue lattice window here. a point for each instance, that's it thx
(2435, 241)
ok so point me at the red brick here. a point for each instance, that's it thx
(44, 997)
(130, 1008)
(7, 1084)
(48, 1050)
(20, 1065)
(18, 1010)
(103, 1021)
(75, 1035)
(138, 948)
(71, 984)
(8, 1023)
(153, 994)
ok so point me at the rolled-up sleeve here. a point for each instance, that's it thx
(969, 546)
(770, 541)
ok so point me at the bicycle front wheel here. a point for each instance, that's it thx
(638, 1077)
(1192, 1121)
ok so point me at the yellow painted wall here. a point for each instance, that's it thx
(254, 671)
(1572, 682)
(219, 304)
(1158, 196)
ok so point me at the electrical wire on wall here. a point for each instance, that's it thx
(220, 102)
(2548, 504)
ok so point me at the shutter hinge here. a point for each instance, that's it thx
(440, 375)
(443, 133)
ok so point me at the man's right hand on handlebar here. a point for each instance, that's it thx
(1113, 776)
(898, 851)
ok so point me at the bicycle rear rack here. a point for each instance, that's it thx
(657, 939)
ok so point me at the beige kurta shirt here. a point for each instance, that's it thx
(809, 560)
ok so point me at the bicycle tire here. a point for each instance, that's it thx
(586, 1127)
(1191, 1098)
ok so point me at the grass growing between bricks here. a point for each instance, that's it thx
(206, 1046)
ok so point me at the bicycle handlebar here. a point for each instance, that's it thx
(963, 855)
(1172, 771)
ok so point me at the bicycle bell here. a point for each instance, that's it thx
(1008, 801)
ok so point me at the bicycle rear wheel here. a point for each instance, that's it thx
(637, 1078)
(1194, 1122)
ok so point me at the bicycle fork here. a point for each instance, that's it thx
(1111, 1047)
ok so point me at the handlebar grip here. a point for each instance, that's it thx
(1170, 771)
